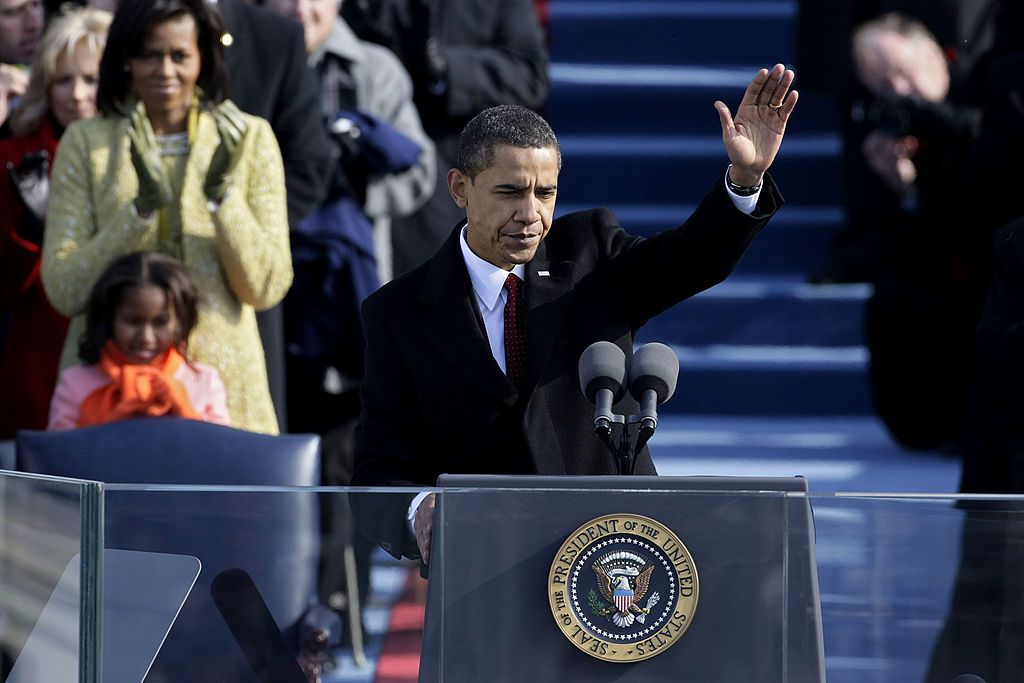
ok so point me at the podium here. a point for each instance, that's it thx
(490, 617)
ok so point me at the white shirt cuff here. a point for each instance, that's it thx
(410, 516)
(746, 205)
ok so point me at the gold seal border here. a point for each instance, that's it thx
(652, 531)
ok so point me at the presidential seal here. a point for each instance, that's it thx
(623, 588)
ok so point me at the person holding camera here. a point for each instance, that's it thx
(921, 252)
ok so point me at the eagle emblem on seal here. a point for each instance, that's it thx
(623, 579)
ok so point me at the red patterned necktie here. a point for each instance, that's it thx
(515, 332)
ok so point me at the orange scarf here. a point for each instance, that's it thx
(137, 390)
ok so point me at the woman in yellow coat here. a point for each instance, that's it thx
(172, 166)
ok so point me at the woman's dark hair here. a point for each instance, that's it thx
(137, 270)
(132, 23)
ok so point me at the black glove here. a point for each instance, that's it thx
(350, 174)
(231, 127)
(31, 180)
(348, 138)
(154, 189)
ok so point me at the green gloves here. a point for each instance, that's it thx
(232, 128)
(154, 190)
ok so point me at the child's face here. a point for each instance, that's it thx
(144, 324)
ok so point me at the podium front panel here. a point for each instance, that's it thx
(489, 616)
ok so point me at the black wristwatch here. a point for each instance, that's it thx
(741, 190)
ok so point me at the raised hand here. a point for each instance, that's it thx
(154, 189)
(232, 128)
(753, 137)
(13, 84)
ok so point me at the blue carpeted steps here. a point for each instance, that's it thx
(633, 84)
(797, 240)
(680, 169)
(646, 31)
(668, 100)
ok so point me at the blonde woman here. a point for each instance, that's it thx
(172, 166)
(61, 90)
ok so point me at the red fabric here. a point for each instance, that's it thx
(542, 13)
(137, 390)
(31, 354)
(399, 660)
(515, 331)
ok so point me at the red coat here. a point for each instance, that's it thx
(31, 354)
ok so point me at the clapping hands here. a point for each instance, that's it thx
(154, 189)
(232, 128)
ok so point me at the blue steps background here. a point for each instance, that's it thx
(633, 86)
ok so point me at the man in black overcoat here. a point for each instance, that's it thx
(443, 391)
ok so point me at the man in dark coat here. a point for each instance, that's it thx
(447, 389)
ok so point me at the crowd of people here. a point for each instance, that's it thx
(196, 196)
(269, 150)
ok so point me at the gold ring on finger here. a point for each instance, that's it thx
(775, 107)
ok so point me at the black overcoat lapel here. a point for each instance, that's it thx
(451, 321)
(549, 286)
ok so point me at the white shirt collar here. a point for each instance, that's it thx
(488, 279)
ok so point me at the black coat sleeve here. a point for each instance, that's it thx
(387, 452)
(658, 272)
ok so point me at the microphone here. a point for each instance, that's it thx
(602, 374)
(652, 381)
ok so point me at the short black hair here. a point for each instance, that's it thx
(132, 23)
(506, 124)
(137, 269)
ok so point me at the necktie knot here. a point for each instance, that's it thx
(515, 332)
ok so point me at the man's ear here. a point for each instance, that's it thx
(457, 181)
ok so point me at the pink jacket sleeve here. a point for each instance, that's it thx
(74, 385)
(207, 393)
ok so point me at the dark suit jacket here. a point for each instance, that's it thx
(270, 78)
(435, 401)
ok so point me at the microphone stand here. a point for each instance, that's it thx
(625, 437)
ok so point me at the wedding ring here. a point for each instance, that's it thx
(774, 107)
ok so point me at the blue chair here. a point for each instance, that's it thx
(273, 536)
(7, 458)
